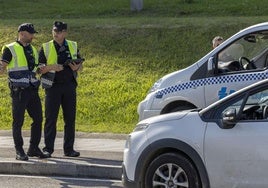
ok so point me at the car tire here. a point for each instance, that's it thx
(171, 170)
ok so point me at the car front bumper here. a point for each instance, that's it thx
(126, 182)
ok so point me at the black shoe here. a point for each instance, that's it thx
(20, 155)
(37, 153)
(48, 154)
(72, 154)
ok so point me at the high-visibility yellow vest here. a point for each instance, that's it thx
(50, 52)
(18, 71)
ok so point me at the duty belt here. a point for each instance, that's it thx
(16, 88)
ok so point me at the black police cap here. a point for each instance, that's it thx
(59, 26)
(27, 27)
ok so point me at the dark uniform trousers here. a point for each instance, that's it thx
(26, 99)
(64, 95)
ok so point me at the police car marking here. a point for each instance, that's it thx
(211, 81)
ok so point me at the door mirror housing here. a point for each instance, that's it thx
(229, 119)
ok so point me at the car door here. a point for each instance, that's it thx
(238, 156)
(238, 64)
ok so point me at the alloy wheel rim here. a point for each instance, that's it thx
(170, 175)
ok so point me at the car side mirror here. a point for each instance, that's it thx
(229, 119)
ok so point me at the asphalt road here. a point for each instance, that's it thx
(21, 181)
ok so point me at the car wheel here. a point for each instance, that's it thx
(171, 170)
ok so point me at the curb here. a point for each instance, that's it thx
(101, 157)
(67, 169)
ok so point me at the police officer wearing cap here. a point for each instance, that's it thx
(60, 87)
(20, 58)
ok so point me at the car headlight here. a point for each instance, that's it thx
(156, 86)
(141, 126)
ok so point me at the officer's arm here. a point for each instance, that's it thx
(6, 58)
(43, 67)
(77, 66)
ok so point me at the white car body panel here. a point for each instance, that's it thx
(138, 140)
(227, 141)
(186, 134)
(219, 148)
(237, 157)
(178, 86)
(132, 152)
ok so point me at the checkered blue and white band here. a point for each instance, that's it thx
(212, 81)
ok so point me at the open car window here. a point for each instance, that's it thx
(247, 53)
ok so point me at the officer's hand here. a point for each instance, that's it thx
(41, 69)
(75, 66)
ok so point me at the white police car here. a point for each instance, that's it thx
(222, 146)
(238, 62)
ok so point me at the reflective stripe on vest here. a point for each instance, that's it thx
(52, 58)
(18, 71)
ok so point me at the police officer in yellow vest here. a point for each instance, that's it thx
(21, 60)
(60, 87)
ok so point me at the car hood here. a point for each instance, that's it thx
(177, 76)
(167, 117)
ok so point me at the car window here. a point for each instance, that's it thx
(247, 53)
(258, 98)
(255, 107)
